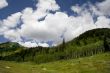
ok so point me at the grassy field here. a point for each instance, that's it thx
(95, 64)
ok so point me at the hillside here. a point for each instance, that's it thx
(9, 48)
(87, 44)
(95, 64)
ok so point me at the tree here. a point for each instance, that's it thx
(23, 53)
(106, 45)
(63, 45)
(33, 53)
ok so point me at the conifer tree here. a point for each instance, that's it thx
(106, 45)
(63, 43)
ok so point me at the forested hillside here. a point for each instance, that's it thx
(87, 44)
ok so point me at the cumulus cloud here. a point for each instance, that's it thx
(12, 35)
(12, 20)
(28, 44)
(3, 3)
(76, 8)
(43, 44)
(43, 8)
(8, 25)
(33, 44)
(47, 29)
(40, 25)
(103, 22)
(104, 7)
(46, 5)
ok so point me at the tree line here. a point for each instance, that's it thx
(80, 47)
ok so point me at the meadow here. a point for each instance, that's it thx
(99, 63)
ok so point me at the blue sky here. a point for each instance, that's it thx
(71, 10)
(15, 6)
(18, 5)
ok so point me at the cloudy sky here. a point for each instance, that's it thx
(46, 22)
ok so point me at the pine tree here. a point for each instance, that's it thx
(63, 45)
(106, 45)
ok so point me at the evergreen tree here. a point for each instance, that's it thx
(106, 45)
(63, 43)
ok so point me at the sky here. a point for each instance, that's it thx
(45, 23)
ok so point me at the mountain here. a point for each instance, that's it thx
(87, 44)
(9, 48)
(90, 38)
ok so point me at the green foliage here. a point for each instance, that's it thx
(9, 48)
(99, 63)
(87, 44)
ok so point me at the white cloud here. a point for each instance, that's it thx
(45, 5)
(43, 44)
(8, 25)
(3, 29)
(104, 7)
(3, 3)
(12, 20)
(43, 8)
(33, 44)
(28, 44)
(47, 29)
(76, 9)
(103, 22)
(12, 35)
(53, 26)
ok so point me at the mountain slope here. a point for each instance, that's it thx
(89, 37)
(9, 48)
(87, 44)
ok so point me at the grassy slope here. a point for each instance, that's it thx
(95, 64)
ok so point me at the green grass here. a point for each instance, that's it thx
(95, 64)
